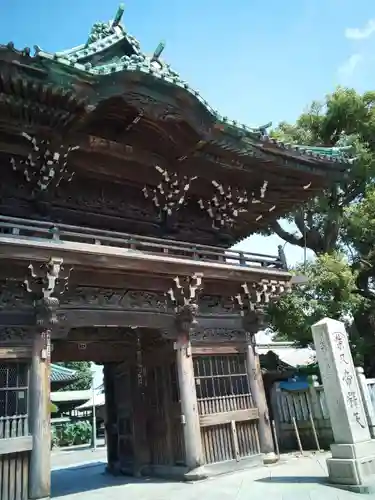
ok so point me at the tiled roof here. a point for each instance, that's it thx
(289, 353)
(61, 374)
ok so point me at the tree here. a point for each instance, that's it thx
(329, 292)
(346, 118)
(341, 219)
(84, 380)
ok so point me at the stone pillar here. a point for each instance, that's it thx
(366, 398)
(43, 284)
(184, 298)
(352, 465)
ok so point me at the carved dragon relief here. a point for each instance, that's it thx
(217, 335)
(13, 296)
(15, 335)
(94, 297)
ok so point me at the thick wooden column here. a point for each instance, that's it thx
(44, 284)
(251, 302)
(110, 417)
(39, 420)
(259, 398)
(184, 297)
(189, 405)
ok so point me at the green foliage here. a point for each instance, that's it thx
(54, 438)
(72, 434)
(53, 407)
(340, 219)
(84, 380)
(328, 293)
(345, 118)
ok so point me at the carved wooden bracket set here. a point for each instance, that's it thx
(45, 165)
(45, 285)
(183, 296)
(223, 208)
(253, 299)
(170, 193)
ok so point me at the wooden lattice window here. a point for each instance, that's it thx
(14, 381)
(219, 376)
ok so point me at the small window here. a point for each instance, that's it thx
(14, 381)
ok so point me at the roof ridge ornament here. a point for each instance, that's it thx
(118, 16)
(158, 51)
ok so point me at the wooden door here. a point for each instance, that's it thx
(124, 409)
(227, 415)
(164, 428)
(15, 441)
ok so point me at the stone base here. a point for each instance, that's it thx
(352, 466)
(363, 489)
(270, 458)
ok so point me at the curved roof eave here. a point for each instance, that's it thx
(111, 50)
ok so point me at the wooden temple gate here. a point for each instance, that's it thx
(119, 204)
(179, 386)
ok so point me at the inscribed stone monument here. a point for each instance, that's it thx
(353, 453)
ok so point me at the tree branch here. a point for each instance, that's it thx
(285, 235)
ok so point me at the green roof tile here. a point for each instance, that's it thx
(61, 374)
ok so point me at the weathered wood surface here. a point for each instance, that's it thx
(110, 423)
(146, 245)
(228, 417)
(15, 445)
(259, 400)
(15, 352)
(14, 476)
(40, 425)
(91, 255)
(189, 406)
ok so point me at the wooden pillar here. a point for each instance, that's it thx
(259, 398)
(42, 283)
(189, 405)
(110, 417)
(40, 421)
(167, 409)
(183, 296)
(140, 443)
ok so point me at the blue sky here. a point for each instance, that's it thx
(253, 61)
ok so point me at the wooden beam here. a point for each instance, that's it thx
(228, 417)
(95, 256)
(217, 349)
(15, 352)
(98, 352)
(15, 445)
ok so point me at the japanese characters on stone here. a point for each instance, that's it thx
(348, 377)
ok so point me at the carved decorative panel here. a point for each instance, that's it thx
(215, 304)
(13, 295)
(217, 335)
(136, 299)
(114, 299)
(15, 335)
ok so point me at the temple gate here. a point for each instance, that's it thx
(122, 193)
